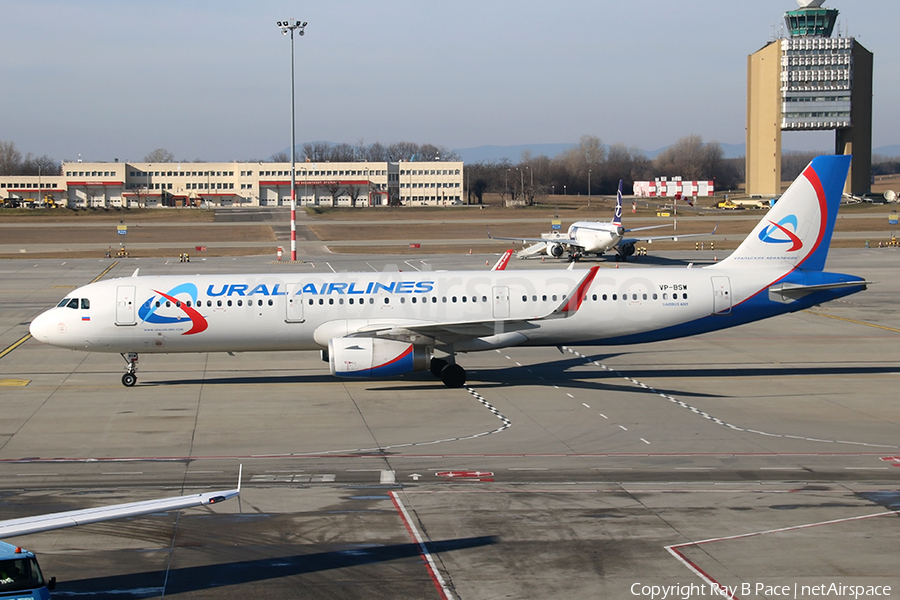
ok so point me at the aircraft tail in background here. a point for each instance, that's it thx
(617, 218)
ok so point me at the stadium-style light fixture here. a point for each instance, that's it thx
(289, 26)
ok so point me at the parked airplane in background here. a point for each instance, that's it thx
(501, 264)
(386, 324)
(20, 575)
(595, 237)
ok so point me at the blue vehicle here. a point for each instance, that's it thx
(20, 575)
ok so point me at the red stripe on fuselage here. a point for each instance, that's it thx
(198, 323)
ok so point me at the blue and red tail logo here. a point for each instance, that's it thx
(147, 311)
(778, 233)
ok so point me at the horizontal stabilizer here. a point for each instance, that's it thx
(787, 292)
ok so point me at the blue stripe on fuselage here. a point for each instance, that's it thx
(755, 308)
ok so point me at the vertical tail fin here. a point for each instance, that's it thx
(617, 218)
(500, 265)
(796, 232)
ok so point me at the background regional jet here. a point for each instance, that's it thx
(586, 237)
(387, 324)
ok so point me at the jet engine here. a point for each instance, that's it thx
(555, 250)
(373, 357)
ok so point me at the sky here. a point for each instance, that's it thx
(106, 79)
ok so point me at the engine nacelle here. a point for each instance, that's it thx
(372, 357)
(555, 250)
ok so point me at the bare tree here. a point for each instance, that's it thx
(589, 155)
(623, 163)
(690, 158)
(793, 163)
(10, 158)
(353, 192)
(281, 157)
(34, 165)
(315, 151)
(160, 155)
(342, 153)
(334, 189)
(12, 162)
(403, 151)
(376, 153)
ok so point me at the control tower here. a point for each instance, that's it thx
(806, 82)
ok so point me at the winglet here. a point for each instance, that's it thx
(571, 304)
(504, 260)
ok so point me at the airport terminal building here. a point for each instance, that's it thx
(128, 184)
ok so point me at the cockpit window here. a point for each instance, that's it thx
(85, 303)
(63, 302)
(73, 303)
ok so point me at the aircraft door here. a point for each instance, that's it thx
(293, 306)
(125, 305)
(721, 295)
(501, 302)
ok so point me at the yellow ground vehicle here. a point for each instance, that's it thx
(729, 205)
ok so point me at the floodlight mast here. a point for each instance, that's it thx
(289, 26)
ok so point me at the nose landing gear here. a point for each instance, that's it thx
(129, 378)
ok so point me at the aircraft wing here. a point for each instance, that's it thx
(452, 331)
(649, 227)
(795, 291)
(26, 525)
(673, 237)
(561, 240)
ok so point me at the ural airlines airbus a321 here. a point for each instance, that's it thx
(387, 324)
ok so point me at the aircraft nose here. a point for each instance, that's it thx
(41, 327)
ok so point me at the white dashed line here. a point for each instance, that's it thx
(718, 421)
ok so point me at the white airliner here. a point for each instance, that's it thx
(387, 324)
(587, 237)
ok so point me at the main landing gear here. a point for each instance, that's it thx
(453, 375)
(129, 378)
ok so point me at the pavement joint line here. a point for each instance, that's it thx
(27, 336)
(719, 421)
(854, 321)
(674, 549)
